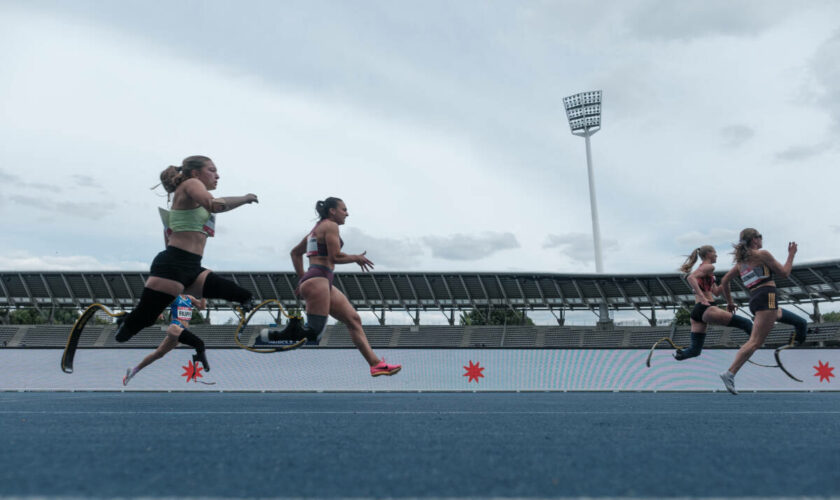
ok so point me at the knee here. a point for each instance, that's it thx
(354, 320)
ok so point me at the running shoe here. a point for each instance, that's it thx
(293, 332)
(128, 376)
(200, 356)
(384, 368)
(729, 381)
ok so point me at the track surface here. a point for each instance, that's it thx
(419, 445)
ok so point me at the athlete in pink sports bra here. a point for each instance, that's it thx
(323, 247)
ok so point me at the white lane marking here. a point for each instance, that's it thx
(408, 412)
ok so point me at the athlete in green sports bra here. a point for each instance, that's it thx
(177, 270)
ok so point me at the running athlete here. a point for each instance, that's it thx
(702, 281)
(323, 247)
(177, 269)
(757, 268)
(180, 314)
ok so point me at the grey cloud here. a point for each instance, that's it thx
(14, 180)
(713, 236)
(691, 19)
(578, 246)
(470, 247)
(826, 68)
(736, 135)
(87, 210)
(387, 252)
(797, 153)
(86, 181)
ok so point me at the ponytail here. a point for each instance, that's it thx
(741, 250)
(173, 176)
(700, 252)
(689, 262)
(322, 207)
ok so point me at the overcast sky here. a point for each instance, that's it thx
(440, 124)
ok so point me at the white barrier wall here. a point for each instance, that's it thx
(312, 369)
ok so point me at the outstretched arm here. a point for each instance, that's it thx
(198, 192)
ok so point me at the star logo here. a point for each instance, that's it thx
(824, 372)
(192, 372)
(474, 372)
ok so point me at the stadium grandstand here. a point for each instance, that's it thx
(808, 285)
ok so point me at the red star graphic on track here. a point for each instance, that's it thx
(824, 372)
(474, 372)
(192, 372)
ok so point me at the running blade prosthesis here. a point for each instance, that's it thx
(76, 333)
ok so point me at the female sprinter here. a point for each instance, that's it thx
(702, 281)
(757, 268)
(177, 269)
(323, 247)
(180, 314)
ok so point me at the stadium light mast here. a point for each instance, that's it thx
(584, 113)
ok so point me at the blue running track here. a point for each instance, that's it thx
(457, 445)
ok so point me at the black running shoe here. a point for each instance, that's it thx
(201, 356)
(247, 306)
(679, 355)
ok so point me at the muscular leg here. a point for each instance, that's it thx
(718, 316)
(342, 310)
(169, 342)
(764, 321)
(157, 294)
(213, 286)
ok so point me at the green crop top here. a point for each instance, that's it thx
(198, 219)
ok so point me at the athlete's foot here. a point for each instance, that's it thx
(679, 356)
(384, 368)
(729, 381)
(293, 332)
(201, 356)
(128, 376)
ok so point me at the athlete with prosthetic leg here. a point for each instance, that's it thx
(705, 311)
(177, 270)
(323, 248)
(757, 269)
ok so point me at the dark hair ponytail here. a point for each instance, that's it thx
(323, 206)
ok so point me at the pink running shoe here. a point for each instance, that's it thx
(384, 369)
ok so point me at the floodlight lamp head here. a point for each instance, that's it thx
(584, 111)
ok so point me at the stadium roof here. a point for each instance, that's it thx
(424, 291)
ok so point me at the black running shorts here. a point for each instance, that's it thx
(177, 265)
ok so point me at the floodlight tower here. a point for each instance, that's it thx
(584, 113)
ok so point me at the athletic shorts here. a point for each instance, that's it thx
(177, 265)
(699, 309)
(763, 298)
(317, 271)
